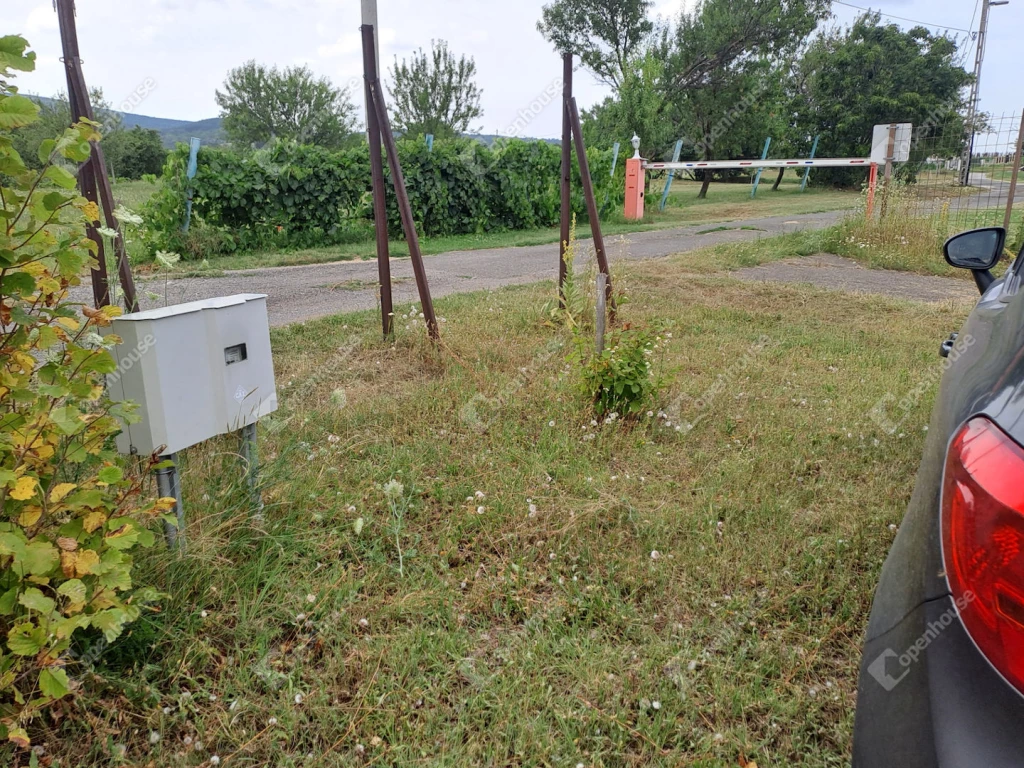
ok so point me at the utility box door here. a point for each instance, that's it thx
(197, 370)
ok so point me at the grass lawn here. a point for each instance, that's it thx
(725, 202)
(461, 629)
(132, 194)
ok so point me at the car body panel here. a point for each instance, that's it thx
(950, 707)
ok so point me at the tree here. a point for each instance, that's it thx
(132, 154)
(55, 118)
(260, 103)
(434, 94)
(605, 34)
(874, 73)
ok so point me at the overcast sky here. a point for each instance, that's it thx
(188, 46)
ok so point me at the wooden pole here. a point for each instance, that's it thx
(1015, 176)
(588, 192)
(380, 212)
(566, 174)
(99, 183)
(408, 222)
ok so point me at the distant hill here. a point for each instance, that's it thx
(174, 131)
(171, 131)
(211, 132)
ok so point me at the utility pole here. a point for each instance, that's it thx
(975, 98)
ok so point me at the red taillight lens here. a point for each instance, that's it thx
(983, 542)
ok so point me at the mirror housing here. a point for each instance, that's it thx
(978, 250)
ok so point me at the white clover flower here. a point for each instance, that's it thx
(310, 598)
(394, 489)
(298, 698)
(481, 510)
(214, 760)
(364, 623)
(272, 721)
(154, 737)
(480, 495)
(655, 555)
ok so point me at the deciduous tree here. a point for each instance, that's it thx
(261, 103)
(605, 34)
(434, 93)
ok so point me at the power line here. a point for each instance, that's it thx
(902, 18)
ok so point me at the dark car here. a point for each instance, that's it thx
(942, 677)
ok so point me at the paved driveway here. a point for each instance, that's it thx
(309, 292)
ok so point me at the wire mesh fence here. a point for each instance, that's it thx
(959, 195)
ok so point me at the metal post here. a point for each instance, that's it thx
(872, 188)
(602, 311)
(588, 193)
(890, 154)
(78, 97)
(405, 209)
(190, 173)
(671, 175)
(1018, 158)
(380, 211)
(615, 157)
(250, 455)
(430, 142)
(566, 221)
(807, 173)
(757, 178)
(168, 484)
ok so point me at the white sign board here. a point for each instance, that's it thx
(880, 143)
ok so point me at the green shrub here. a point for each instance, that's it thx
(70, 511)
(292, 196)
(622, 379)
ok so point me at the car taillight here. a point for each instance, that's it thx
(983, 542)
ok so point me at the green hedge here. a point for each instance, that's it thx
(288, 195)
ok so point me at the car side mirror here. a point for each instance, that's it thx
(978, 250)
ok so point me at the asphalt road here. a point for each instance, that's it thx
(308, 292)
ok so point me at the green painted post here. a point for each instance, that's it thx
(764, 156)
(807, 174)
(671, 175)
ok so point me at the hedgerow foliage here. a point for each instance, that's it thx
(69, 511)
(289, 195)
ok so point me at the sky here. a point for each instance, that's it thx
(166, 58)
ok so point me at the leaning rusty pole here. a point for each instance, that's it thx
(378, 126)
(93, 181)
(572, 132)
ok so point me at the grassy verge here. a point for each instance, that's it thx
(725, 202)
(458, 629)
(903, 239)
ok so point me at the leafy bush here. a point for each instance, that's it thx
(288, 195)
(69, 512)
(621, 380)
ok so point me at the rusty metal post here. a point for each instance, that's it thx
(405, 208)
(95, 184)
(592, 212)
(1015, 176)
(566, 175)
(380, 211)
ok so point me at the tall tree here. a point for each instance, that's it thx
(261, 103)
(435, 93)
(605, 34)
(873, 73)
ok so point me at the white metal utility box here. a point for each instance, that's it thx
(197, 370)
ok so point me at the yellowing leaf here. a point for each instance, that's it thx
(18, 737)
(92, 521)
(30, 516)
(91, 211)
(60, 491)
(24, 489)
(78, 564)
(70, 323)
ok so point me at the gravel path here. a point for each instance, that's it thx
(837, 273)
(308, 292)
